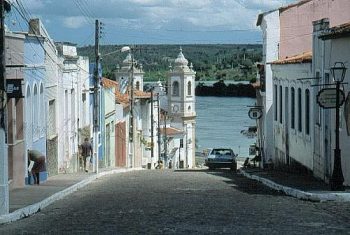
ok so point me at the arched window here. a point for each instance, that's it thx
(36, 112)
(28, 128)
(137, 85)
(176, 88)
(281, 106)
(189, 88)
(292, 108)
(307, 111)
(300, 124)
(42, 110)
(275, 100)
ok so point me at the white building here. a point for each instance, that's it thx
(182, 108)
(331, 45)
(73, 95)
(293, 109)
(269, 23)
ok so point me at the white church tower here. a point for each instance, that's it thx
(122, 75)
(181, 106)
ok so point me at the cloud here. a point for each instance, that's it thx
(153, 16)
(74, 22)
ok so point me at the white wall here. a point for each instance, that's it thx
(300, 142)
(341, 53)
(270, 27)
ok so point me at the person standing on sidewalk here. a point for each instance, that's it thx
(39, 164)
(86, 151)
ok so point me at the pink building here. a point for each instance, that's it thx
(296, 23)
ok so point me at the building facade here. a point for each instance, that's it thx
(182, 107)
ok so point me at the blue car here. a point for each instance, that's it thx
(221, 158)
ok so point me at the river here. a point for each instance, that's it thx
(219, 123)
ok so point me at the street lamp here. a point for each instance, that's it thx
(336, 182)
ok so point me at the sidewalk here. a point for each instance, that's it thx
(32, 198)
(301, 186)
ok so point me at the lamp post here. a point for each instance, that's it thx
(336, 182)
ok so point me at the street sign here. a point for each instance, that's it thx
(327, 98)
(255, 113)
(14, 88)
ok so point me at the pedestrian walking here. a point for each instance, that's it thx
(86, 151)
(38, 166)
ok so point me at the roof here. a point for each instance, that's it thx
(108, 83)
(122, 99)
(171, 131)
(261, 15)
(306, 57)
(339, 31)
(302, 2)
(141, 94)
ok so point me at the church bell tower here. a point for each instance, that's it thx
(181, 105)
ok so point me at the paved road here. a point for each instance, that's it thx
(182, 202)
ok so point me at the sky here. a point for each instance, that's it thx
(145, 21)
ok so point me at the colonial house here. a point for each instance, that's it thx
(14, 44)
(108, 121)
(331, 45)
(302, 133)
(50, 78)
(34, 78)
(121, 130)
(270, 25)
(71, 88)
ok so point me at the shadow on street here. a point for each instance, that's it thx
(237, 181)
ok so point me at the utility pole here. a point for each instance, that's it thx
(4, 190)
(96, 94)
(165, 143)
(152, 150)
(131, 124)
(159, 147)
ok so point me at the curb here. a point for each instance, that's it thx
(37, 207)
(313, 197)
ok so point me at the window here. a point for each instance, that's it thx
(176, 88)
(281, 107)
(189, 88)
(300, 125)
(138, 85)
(36, 112)
(52, 118)
(292, 108)
(42, 111)
(275, 96)
(307, 111)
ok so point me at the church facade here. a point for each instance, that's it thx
(182, 108)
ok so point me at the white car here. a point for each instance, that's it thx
(221, 158)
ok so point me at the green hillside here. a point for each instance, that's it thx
(221, 61)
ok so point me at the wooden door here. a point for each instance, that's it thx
(120, 139)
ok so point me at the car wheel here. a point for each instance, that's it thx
(234, 167)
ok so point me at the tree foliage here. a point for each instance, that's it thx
(211, 62)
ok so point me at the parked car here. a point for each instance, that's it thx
(221, 158)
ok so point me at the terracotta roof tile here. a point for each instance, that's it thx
(306, 57)
(171, 131)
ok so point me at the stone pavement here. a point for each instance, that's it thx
(32, 198)
(301, 186)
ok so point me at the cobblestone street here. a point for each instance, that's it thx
(182, 202)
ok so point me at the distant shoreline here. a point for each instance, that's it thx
(220, 89)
